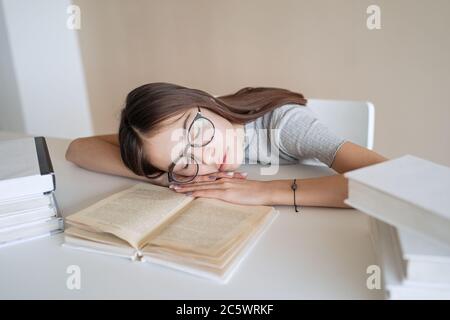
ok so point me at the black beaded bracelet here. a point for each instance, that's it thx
(294, 187)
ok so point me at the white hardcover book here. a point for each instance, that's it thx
(25, 168)
(407, 192)
(426, 261)
(25, 204)
(33, 230)
(390, 262)
(26, 217)
(28, 209)
(391, 271)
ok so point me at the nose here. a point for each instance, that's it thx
(209, 155)
(206, 161)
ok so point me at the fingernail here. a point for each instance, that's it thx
(171, 186)
(212, 178)
(244, 174)
(188, 193)
(176, 187)
(230, 173)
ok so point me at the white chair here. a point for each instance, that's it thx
(352, 120)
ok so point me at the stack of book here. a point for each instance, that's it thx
(28, 208)
(408, 200)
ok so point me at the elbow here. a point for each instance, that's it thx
(343, 205)
(73, 149)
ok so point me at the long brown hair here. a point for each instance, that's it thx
(147, 106)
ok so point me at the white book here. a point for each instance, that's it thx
(392, 269)
(39, 201)
(27, 216)
(31, 231)
(22, 199)
(29, 209)
(25, 168)
(407, 192)
(425, 260)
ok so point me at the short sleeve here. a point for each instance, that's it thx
(302, 135)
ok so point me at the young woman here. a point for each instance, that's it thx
(180, 137)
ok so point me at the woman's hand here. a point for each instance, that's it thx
(240, 191)
(164, 182)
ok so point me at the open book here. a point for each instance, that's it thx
(206, 237)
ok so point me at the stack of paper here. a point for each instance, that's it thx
(28, 207)
(408, 199)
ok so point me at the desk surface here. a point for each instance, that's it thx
(321, 253)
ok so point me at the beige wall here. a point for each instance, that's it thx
(320, 48)
(42, 84)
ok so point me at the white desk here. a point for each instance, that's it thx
(319, 253)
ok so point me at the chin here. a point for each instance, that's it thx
(231, 167)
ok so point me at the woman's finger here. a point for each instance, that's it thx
(239, 175)
(203, 178)
(216, 175)
(218, 181)
(212, 193)
(199, 186)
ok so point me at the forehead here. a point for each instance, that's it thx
(167, 126)
(159, 145)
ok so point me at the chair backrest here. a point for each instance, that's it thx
(352, 120)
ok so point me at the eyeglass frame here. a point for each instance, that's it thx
(170, 177)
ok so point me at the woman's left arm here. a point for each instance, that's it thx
(328, 191)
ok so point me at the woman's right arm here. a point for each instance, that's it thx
(102, 154)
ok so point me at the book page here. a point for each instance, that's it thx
(209, 226)
(199, 264)
(105, 238)
(205, 260)
(132, 214)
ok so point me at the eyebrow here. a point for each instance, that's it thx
(186, 119)
(184, 127)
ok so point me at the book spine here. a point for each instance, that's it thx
(45, 162)
(57, 209)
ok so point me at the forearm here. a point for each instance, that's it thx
(100, 156)
(329, 191)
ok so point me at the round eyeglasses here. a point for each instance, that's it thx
(200, 133)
